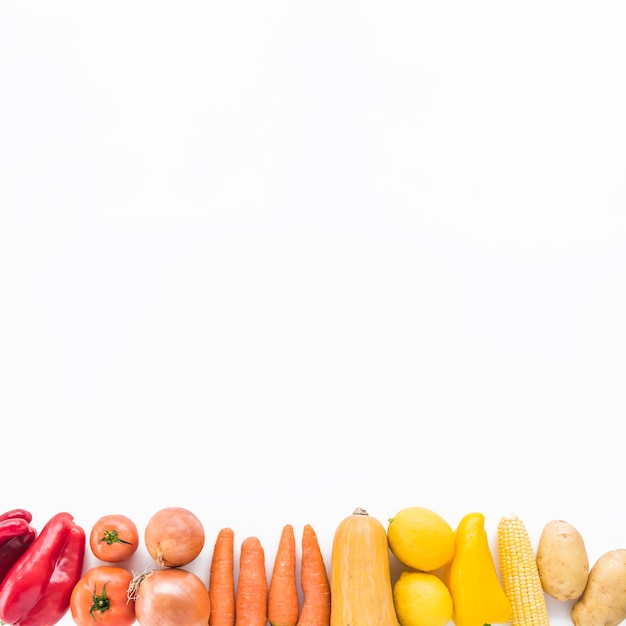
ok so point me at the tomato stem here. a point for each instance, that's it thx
(111, 536)
(100, 602)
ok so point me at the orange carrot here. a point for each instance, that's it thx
(314, 581)
(221, 581)
(252, 588)
(283, 603)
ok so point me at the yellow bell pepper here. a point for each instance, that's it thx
(477, 594)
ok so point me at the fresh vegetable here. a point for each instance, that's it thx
(603, 602)
(171, 596)
(562, 560)
(100, 597)
(252, 587)
(114, 538)
(520, 576)
(16, 534)
(38, 587)
(477, 595)
(360, 580)
(222, 581)
(314, 581)
(283, 602)
(174, 536)
(16, 514)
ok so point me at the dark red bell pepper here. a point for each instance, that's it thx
(37, 589)
(16, 513)
(16, 534)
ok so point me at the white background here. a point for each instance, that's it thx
(272, 261)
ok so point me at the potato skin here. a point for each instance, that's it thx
(562, 561)
(603, 602)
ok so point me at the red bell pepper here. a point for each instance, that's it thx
(16, 534)
(16, 513)
(37, 589)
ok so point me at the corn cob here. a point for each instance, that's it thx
(520, 576)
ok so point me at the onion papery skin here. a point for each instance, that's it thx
(170, 597)
(174, 537)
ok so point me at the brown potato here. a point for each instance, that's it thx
(562, 561)
(603, 602)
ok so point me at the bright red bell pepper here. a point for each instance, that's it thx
(16, 534)
(37, 589)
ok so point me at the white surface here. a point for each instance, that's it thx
(273, 261)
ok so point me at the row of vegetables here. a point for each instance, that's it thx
(42, 574)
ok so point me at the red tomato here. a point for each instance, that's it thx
(114, 538)
(100, 597)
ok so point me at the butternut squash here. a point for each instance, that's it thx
(360, 581)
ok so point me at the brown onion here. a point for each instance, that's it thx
(170, 597)
(174, 537)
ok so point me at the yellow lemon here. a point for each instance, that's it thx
(422, 599)
(420, 538)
